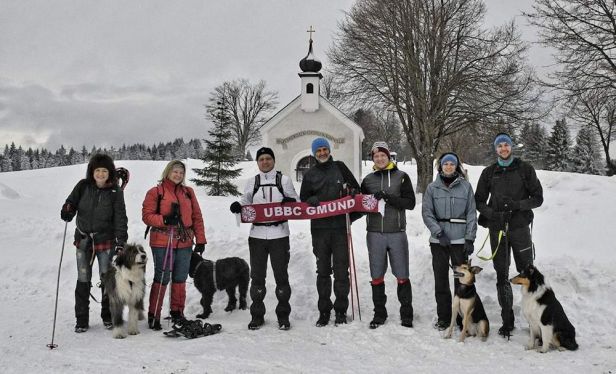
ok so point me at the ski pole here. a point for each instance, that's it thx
(55, 311)
(162, 277)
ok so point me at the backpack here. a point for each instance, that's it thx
(278, 184)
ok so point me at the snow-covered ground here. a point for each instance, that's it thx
(573, 233)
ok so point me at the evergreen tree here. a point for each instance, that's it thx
(248, 156)
(586, 156)
(534, 139)
(558, 152)
(219, 159)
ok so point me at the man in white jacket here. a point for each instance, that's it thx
(268, 238)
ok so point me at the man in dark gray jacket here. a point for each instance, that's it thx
(387, 234)
(329, 180)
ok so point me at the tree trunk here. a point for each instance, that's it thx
(424, 172)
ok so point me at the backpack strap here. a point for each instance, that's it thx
(278, 184)
(159, 187)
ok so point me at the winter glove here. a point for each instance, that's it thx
(117, 250)
(171, 219)
(443, 239)
(236, 207)
(313, 201)
(287, 199)
(199, 248)
(510, 205)
(67, 212)
(469, 247)
(381, 195)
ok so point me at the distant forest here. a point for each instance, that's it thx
(15, 158)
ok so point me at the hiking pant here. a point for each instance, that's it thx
(441, 258)
(380, 245)
(278, 251)
(84, 281)
(517, 241)
(330, 247)
(178, 264)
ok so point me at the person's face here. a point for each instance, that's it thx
(503, 150)
(176, 175)
(266, 163)
(100, 176)
(322, 154)
(380, 160)
(449, 168)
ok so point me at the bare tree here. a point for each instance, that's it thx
(596, 108)
(432, 63)
(583, 32)
(247, 108)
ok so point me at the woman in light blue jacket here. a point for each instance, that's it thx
(449, 212)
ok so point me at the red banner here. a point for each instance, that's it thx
(282, 212)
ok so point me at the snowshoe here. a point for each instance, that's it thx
(192, 329)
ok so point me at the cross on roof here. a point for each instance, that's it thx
(311, 30)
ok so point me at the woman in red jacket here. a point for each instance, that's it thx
(172, 211)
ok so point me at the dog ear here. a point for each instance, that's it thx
(476, 269)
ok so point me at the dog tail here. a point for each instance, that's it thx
(567, 340)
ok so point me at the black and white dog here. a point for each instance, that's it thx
(546, 317)
(224, 274)
(468, 305)
(125, 285)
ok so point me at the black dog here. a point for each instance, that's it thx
(224, 274)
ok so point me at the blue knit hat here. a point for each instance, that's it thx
(502, 138)
(449, 157)
(319, 143)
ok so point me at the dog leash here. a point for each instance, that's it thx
(501, 234)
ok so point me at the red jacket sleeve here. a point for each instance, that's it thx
(148, 210)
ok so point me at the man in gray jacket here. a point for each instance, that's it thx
(387, 234)
(448, 210)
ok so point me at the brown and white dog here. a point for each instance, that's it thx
(546, 317)
(467, 304)
(125, 285)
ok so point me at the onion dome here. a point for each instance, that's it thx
(310, 64)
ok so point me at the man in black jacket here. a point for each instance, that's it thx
(329, 180)
(513, 190)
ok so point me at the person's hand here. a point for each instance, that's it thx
(171, 219)
(469, 247)
(236, 207)
(313, 201)
(353, 192)
(443, 239)
(118, 250)
(287, 199)
(67, 212)
(510, 205)
(199, 248)
(380, 195)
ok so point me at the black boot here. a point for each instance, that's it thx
(257, 308)
(379, 298)
(323, 319)
(283, 294)
(105, 312)
(154, 323)
(405, 296)
(256, 323)
(341, 318)
(82, 306)
(505, 299)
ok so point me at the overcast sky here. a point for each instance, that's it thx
(85, 72)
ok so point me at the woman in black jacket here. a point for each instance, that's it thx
(101, 231)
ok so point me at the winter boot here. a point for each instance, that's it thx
(405, 296)
(82, 306)
(178, 300)
(323, 319)
(157, 296)
(283, 309)
(340, 318)
(379, 299)
(256, 323)
(105, 312)
(505, 300)
(441, 325)
(257, 308)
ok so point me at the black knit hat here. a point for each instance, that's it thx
(264, 151)
(101, 161)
